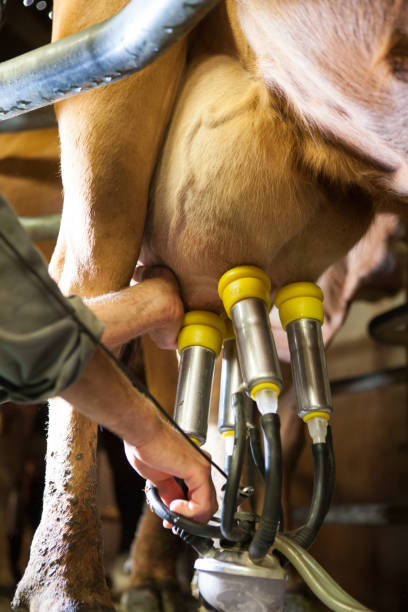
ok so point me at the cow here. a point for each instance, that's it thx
(271, 136)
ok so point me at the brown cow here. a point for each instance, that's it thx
(289, 133)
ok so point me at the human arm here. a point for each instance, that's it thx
(151, 306)
(153, 447)
(156, 450)
(45, 346)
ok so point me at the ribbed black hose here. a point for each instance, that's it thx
(177, 520)
(323, 483)
(256, 450)
(202, 546)
(269, 523)
(230, 501)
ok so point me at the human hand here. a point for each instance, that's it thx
(167, 454)
(167, 303)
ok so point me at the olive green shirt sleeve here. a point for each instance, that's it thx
(43, 349)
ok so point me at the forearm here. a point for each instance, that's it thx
(131, 312)
(105, 395)
(155, 449)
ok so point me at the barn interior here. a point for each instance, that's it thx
(362, 537)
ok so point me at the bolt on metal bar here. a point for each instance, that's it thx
(39, 119)
(101, 54)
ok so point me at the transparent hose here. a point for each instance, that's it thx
(319, 581)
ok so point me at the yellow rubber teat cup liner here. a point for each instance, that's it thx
(299, 301)
(244, 282)
(202, 328)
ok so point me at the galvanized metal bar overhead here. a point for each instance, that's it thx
(39, 119)
(101, 54)
(44, 227)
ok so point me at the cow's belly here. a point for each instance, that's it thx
(229, 190)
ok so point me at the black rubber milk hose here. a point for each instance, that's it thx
(271, 513)
(230, 531)
(177, 520)
(323, 485)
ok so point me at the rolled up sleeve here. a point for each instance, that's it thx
(43, 348)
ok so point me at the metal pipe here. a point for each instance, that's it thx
(101, 54)
(360, 514)
(391, 327)
(40, 119)
(367, 382)
(45, 227)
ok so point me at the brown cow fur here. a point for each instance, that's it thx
(341, 67)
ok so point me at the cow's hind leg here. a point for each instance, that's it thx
(64, 571)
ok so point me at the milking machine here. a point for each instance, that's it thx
(242, 556)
